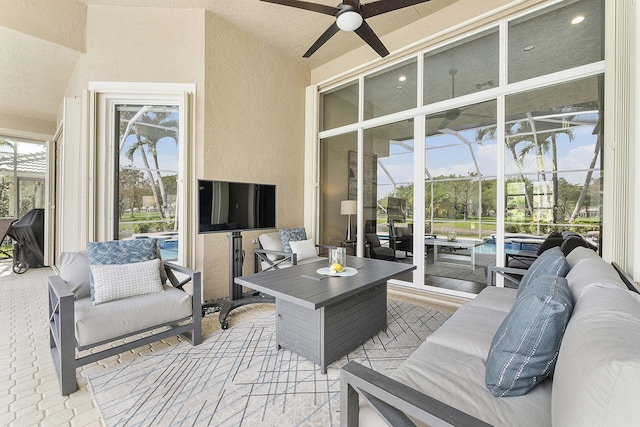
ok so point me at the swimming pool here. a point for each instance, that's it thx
(510, 247)
(168, 249)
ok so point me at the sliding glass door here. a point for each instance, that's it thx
(553, 176)
(507, 124)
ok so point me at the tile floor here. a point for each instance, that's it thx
(29, 389)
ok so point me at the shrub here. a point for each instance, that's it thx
(142, 227)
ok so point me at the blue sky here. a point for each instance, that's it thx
(454, 157)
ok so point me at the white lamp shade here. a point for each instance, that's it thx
(348, 207)
(349, 21)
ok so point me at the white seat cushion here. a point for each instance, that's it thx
(598, 370)
(304, 249)
(97, 323)
(457, 379)
(495, 298)
(470, 330)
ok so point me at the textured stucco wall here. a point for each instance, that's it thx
(141, 44)
(249, 105)
(41, 43)
(254, 132)
(60, 22)
(12, 124)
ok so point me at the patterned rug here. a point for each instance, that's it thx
(236, 377)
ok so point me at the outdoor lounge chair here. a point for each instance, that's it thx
(138, 307)
(378, 251)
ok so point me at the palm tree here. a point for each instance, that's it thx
(139, 145)
(158, 126)
(512, 139)
(150, 127)
(542, 143)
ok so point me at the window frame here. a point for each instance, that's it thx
(103, 165)
(497, 94)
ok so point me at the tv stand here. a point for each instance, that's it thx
(236, 297)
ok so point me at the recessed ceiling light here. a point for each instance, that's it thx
(529, 48)
(578, 20)
(402, 78)
(399, 87)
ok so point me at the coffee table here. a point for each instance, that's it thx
(321, 317)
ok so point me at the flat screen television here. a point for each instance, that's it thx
(235, 206)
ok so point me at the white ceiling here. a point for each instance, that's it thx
(35, 72)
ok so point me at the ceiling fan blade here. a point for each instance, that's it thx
(384, 6)
(314, 7)
(322, 40)
(366, 33)
(444, 124)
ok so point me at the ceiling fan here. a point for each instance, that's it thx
(350, 16)
(455, 113)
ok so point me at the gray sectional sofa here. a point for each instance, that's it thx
(444, 382)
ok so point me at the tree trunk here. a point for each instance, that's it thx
(151, 181)
(527, 196)
(554, 165)
(163, 192)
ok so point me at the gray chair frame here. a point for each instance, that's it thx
(400, 243)
(510, 274)
(62, 327)
(260, 255)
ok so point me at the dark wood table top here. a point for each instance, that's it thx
(291, 284)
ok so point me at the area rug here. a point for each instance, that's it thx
(237, 377)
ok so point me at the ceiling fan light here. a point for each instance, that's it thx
(349, 20)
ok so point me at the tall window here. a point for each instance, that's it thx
(147, 190)
(527, 124)
(140, 165)
(553, 150)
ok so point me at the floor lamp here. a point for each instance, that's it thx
(349, 207)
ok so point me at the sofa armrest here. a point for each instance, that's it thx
(260, 255)
(506, 272)
(393, 401)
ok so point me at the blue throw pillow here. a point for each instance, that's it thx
(288, 234)
(525, 348)
(118, 252)
(552, 262)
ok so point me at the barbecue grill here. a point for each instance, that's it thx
(28, 241)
